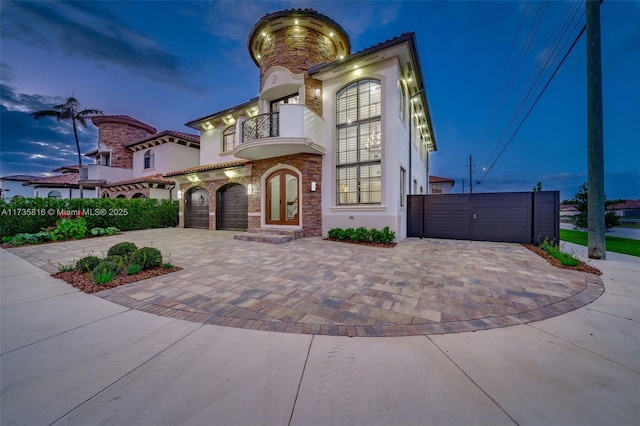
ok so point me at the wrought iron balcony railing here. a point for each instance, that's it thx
(260, 126)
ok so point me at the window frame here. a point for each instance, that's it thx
(231, 130)
(362, 160)
(149, 159)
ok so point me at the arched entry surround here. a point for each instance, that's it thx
(196, 208)
(289, 200)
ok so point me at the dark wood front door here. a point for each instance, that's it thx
(232, 206)
(282, 198)
(197, 207)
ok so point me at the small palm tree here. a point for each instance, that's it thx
(70, 111)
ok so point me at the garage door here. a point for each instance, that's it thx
(232, 208)
(197, 209)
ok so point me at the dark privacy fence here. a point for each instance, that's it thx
(514, 217)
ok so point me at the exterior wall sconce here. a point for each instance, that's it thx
(317, 93)
(313, 187)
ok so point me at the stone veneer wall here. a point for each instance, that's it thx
(297, 49)
(116, 136)
(310, 166)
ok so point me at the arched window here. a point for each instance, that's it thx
(359, 143)
(229, 139)
(149, 159)
(54, 194)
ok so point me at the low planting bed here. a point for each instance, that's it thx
(364, 236)
(124, 264)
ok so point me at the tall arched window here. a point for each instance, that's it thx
(149, 159)
(359, 143)
(229, 139)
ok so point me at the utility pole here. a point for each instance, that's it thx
(595, 144)
(463, 186)
(470, 177)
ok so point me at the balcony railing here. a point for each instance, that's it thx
(260, 126)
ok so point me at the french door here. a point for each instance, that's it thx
(282, 198)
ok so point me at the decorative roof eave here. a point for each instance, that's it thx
(145, 180)
(209, 167)
(166, 136)
(419, 88)
(240, 109)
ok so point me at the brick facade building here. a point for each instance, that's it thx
(334, 138)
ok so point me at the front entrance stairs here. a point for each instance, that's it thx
(270, 235)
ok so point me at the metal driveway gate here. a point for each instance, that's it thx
(514, 217)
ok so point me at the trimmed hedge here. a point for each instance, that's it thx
(30, 215)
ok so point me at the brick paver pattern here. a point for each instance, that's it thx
(315, 286)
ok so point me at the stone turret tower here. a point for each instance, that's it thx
(114, 133)
(296, 40)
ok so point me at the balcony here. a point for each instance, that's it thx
(295, 129)
(108, 174)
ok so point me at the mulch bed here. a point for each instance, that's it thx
(363, 243)
(582, 267)
(84, 281)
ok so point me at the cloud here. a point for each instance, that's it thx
(36, 147)
(88, 30)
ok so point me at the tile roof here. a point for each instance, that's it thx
(181, 135)
(208, 167)
(72, 167)
(213, 114)
(152, 178)
(21, 177)
(125, 119)
(376, 47)
(70, 179)
(438, 179)
(626, 204)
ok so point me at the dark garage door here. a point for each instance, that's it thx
(232, 207)
(517, 217)
(197, 209)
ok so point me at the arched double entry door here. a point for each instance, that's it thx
(282, 203)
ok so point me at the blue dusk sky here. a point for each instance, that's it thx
(169, 62)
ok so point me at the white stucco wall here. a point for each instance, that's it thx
(168, 157)
(12, 188)
(395, 154)
(43, 191)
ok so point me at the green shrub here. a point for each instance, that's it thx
(69, 227)
(167, 265)
(133, 269)
(124, 249)
(105, 271)
(554, 250)
(362, 234)
(65, 267)
(147, 257)
(121, 261)
(124, 214)
(110, 230)
(87, 264)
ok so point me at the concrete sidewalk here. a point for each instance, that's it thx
(72, 358)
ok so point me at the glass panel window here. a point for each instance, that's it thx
(149, 159)
(291, 99)
(229, 139)
(359, 143)
(403, 188)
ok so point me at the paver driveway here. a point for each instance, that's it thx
(322, 287)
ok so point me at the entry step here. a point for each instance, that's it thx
(263, 237)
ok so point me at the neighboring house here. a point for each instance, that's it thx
(132, 158)
(568, 211)
(334, 139)
(440, 185)
(65, 185)
(626, 208)
(13, 186)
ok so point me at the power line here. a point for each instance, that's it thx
(534, 103)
